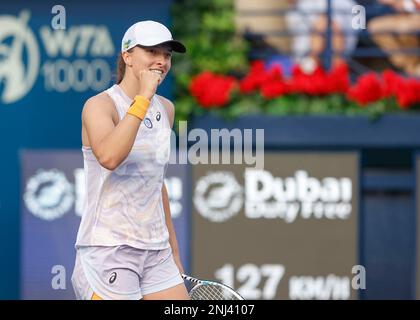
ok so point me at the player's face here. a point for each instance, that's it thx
(156, 58)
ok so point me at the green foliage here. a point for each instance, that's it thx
(208, 30)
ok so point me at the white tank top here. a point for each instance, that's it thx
(124, 206)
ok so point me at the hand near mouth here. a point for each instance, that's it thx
(148, 82)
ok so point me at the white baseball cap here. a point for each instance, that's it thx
(148, 34)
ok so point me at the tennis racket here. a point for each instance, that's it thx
(210, 290)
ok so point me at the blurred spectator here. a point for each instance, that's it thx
(308, 20)
(261, 20)
(262, 23)
(398, 32)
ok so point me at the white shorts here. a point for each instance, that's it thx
(123, 272)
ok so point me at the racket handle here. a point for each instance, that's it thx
(184, 276)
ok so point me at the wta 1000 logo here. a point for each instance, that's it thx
(218, 196)
(20, 57)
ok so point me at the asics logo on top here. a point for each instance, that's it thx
(113, 277)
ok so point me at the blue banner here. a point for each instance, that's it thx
(52, 59)
(53, 189)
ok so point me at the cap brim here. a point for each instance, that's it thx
(174, 44)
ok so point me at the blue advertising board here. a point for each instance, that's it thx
(53, 191)
(52, 59)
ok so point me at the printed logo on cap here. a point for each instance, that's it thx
(127, 43)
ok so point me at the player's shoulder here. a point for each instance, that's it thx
(168, 104)
(101, 102)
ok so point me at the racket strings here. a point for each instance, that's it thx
(211, 292)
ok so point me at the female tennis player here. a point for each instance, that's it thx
(126, 243)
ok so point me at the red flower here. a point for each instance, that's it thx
(318, 82)
(259, 76)
(211, 90)
(367, 89)
(338, 78)
(274, 89)
(392, 83)
(198, 83)
(408, 93)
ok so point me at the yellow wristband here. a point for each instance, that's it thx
(138, 107)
